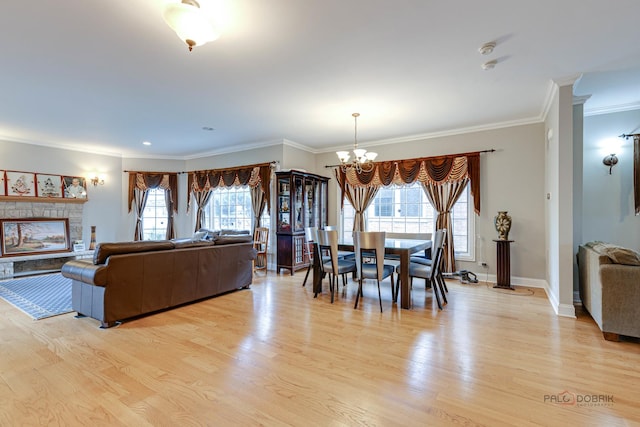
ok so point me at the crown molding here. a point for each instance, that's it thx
(441, 134)
(596, 111)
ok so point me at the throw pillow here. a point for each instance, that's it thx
(621, 255)
(199, 235)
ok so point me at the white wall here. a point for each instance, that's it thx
(512, 179)
(559, 207)
(607, 202)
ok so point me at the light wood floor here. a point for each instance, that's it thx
(274, 355)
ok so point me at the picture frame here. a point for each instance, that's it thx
(74, 187)
(49, 186)
(31, 236)
(3, 188)
(20, 184)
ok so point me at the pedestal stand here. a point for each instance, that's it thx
(504, 264)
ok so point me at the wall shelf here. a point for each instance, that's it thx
(29, 199)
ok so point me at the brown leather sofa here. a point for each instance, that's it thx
(129, 279)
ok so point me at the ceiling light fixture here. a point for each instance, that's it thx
(487, 48)
(489, 65)
(363, 160)
(190, 23)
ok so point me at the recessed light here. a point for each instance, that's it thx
(207, 128)
(146, 143)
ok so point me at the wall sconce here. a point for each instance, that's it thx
(611, 160)
(95, 180)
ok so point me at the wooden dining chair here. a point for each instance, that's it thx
(430, 272)
(333, 266)
(369, 250)
(261, 245)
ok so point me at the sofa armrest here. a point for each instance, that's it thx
(85, 271)
(620, 299)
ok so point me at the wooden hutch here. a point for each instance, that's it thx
(301, 202)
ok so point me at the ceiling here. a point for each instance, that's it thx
(104, 76)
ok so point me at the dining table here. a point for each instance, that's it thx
(403, 248)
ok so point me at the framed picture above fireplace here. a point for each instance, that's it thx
(32, 236)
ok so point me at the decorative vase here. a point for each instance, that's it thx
(503, 225)
(92, 242)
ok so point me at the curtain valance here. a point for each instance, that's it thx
(440, 169)
(251, 175)
(147, 180)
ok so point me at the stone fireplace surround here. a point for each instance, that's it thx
(13, 266)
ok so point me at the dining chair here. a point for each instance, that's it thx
(430, 272)
(333, 266)
(369, 245)
(261, 245)
(341, 254)
(310, 239)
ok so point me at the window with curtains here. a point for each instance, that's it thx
(406, 209)
(155, 216)
(230, 208)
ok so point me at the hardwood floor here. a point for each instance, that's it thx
(274, 355)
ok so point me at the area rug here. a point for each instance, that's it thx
(38, 296)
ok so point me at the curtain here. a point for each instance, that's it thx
(171, 229)
(359, 197)
(257, 177)
(140, 199)
(202, 199)
(443, 179)
(452, 167)
(636, 172)
(443, 196)
(140, 183)
(258, 203)
(251, 175)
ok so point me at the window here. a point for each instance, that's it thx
(406, 209)
(154, 216)
(230, 208)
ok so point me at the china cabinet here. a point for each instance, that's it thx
(301, 202)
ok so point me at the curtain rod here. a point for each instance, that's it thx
(271, 163)
(164, 172)
(627, 136)
(491, 150)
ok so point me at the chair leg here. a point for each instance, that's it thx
(444, 297)
(307, 275)
(441, 278)
(397, 289)
(358, 293)
(394, 295)
(435, 292)
(380, 295)
(331, 280)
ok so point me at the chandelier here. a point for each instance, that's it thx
(190, 23)
(362, 160)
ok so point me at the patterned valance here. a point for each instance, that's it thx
(146, 180)
(450, 168)
(251, 175)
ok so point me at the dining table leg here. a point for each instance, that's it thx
(405, 295)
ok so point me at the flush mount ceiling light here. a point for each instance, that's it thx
(362, 161)
(190, 23)
(489, 65)
(487, 48)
